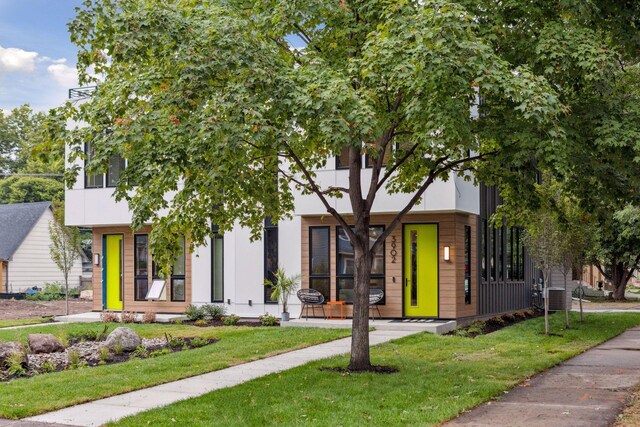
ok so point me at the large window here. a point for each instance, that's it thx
(217, 266)
(178, 275)
(467, 264)
(483, 249)
(91, 180)
(319, 266)
(270, 258)
(345, 264)
(141, 266)
(116, 166)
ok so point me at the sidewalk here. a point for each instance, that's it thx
(114, 408)
(587, 390)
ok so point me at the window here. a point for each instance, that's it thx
(492, 254)
(217, 266)
(95, 180)
(116, 166)
(342, 160)
(319, 272)
(483, 249)
(345, 264)
(270, 258)
(178, 275)
(500, 253)
(509, 253)
(369, 160)
(141, 266)
(467, 264)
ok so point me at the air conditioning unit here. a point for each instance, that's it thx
(557, 299)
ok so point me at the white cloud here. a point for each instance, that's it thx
(17, 60)
(63, 74)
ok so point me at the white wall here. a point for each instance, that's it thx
(31, 264)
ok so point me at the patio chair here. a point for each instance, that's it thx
(311, 298)
(375, 296)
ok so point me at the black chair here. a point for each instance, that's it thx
(311, 298)
(375, 296)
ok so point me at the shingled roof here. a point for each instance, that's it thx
(16, 221)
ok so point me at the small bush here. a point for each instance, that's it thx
(199, 342)
(73, 358)
(177, 321)
(128, 317)
(140, 352)
(194, 313)
(231, 320)
(14, 364)
(268, 320)
(496, 322)
(51, 292)
(201, 322)
(109, 317)
(104, 354)
(476, 328)
(508, 318)
(48, 366)
(160, 352)
(520, 315)
(149, 317)
(118, 348)
(175, 343)
(214, 311)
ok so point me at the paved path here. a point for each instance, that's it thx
(113, 408)
(589, 390)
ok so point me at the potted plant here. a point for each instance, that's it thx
(282, 288)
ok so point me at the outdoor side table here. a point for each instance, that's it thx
(343, 309)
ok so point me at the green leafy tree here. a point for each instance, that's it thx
(208, 100)
(26, 189)
(65, 246)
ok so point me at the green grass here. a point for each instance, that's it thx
(440, 376)
(43, 393)
(22, 322)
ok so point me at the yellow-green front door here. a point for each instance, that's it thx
(420, 270)
(113, 275)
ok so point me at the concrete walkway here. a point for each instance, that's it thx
(588, 390)
(114, 408)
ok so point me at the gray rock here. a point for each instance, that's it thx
(129, 340)
(9, 348)
(44, 343)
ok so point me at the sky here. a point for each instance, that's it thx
(37, 58)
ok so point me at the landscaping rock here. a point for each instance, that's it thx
(129, 340)
(86, 295)
(44, 343)
(9, 348)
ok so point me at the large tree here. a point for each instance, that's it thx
(232, 106)
(589, 51)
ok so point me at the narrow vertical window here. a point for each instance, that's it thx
(467, 264)
(500, 254)
(270, 258)
(141, 266)
(217, 266)
(178, 275)
(483, 249)
(91, 180)
(319, 267)
(116, 166)
(345, 267)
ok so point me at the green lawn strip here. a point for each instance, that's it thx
(22, 322)
(43, 393)
(440, 376)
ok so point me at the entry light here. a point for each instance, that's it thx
(447, 253)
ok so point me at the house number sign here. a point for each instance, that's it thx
(393, 252)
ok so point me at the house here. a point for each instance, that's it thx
(443, 262)
(25, 259)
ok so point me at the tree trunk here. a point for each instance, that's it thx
(580, 295)
(566, 303)
(66, 288)
(360, 359)
(619, 279)
(546, 301)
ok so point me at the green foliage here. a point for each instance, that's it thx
(118, 348)
(73, 359)
(231, 320)
(282, 286)
(140, 352)
(268, 320)
(214, 311)
(15, 364)
(194, 312)
(160, 352)
(27, 189)
(48, 366)
(104, 353)
(51, 291)
(201, 322)
(175, 343)
(199, 342)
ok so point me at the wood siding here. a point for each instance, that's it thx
(129, 303)
(451, 229)
(31, 264)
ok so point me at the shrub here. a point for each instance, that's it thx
(109, 317)
(140, 352)
(104, 353)
(177, 321)
(496, 322)
(201, 322)
(73, 358)
(214, 311)
(520, 315)
(149, 317)
(268, 320)
(231, 320)
(508, 318)
(48, 366)
(160, 352)
(476, 328)
(128, 317)
(199, 342)
(118, 348)
(14, 364)
(194, 313)
(175, 343)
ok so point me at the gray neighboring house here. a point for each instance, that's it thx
(25, 259)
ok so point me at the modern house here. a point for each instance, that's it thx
(443, 262)
(25, 259)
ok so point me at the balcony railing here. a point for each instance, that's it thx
(81, 92)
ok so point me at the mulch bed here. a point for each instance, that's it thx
(209, 323)
(376, 369)
(496, 323)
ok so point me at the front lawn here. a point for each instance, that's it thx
(22, 322)
(440, 376)
(43, 393)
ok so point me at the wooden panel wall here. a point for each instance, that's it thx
(129, 303)
(451, 273)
